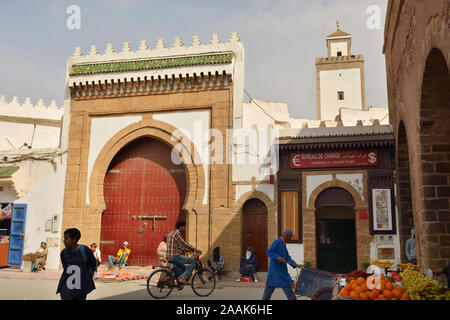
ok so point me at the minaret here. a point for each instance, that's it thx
(340, 77)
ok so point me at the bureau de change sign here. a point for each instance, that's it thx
(339, 159)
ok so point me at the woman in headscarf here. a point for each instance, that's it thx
(216, 262)
(40, 258)
(249, 262)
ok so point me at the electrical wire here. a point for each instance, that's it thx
(251, 100)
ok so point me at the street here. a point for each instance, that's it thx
(20, 288)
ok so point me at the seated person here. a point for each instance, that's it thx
(249, 262)
(444, 270)
(215, 263)
(97, 255)
(121, 258)
(40, 258)
(161, 252)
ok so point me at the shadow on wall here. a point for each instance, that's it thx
(230, 239)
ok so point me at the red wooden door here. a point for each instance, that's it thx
(141, 181)
(255, 230)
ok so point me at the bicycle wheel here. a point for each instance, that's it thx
(160, 284)
(203, 282)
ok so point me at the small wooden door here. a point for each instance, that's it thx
(254, 213)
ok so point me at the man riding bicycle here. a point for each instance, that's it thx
(176, 248)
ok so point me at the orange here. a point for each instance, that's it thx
(376, 292)
(364, 287)
(387, 294)
(396, 293)
(388, 285)
(354, 295)
(363, 296)
(394, 298)
(360, 280)
(405, 296)
(354, 286)
(397, 287)
(359, 290)
(353, 282)
(371, 295)
(344, 292)
(381, 297)
(348, 287)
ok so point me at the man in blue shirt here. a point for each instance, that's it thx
(278, 276)
(79, 264)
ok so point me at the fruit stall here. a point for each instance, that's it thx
(400, 282)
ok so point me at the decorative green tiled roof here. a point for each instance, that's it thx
(151, 64)
(6, 172)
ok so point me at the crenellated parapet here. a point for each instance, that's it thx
(342, 59)
(26, 109)
(178, 67)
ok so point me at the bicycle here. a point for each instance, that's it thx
(160, 283)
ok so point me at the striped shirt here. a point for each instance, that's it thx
(176, 244)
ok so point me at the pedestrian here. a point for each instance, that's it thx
(78, 263)
(216, 262)
(249, 263)
(97, 255)
(278, 276)
(121, 258)
(161, 252)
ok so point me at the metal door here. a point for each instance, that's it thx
(255, 230)
(144, 193)
(16, 240)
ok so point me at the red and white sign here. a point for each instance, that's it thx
(336, 159)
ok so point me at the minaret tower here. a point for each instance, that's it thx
(340, 77)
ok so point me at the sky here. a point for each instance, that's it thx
(282, 39)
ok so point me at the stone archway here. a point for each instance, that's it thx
(163, 132)
(435, 161)
(309, 223)
(404, 198)
(271, 213)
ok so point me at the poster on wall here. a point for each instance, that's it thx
(382, 210)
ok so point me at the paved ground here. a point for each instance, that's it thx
(42, 286)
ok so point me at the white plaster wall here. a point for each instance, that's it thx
(43, 193)
(18, 133)
(312, 182)
(296, 252)
(355, 180)
(268, 189)
(195, 125)
(102, 130)
(241, 190)
(350, 116)
(339, 46)
(332, 81)
(7, 195)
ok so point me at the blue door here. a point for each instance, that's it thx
(17, 235)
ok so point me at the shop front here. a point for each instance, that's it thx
(12, 234)
(336, 192)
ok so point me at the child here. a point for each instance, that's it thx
(79, 264)
(97, 255)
